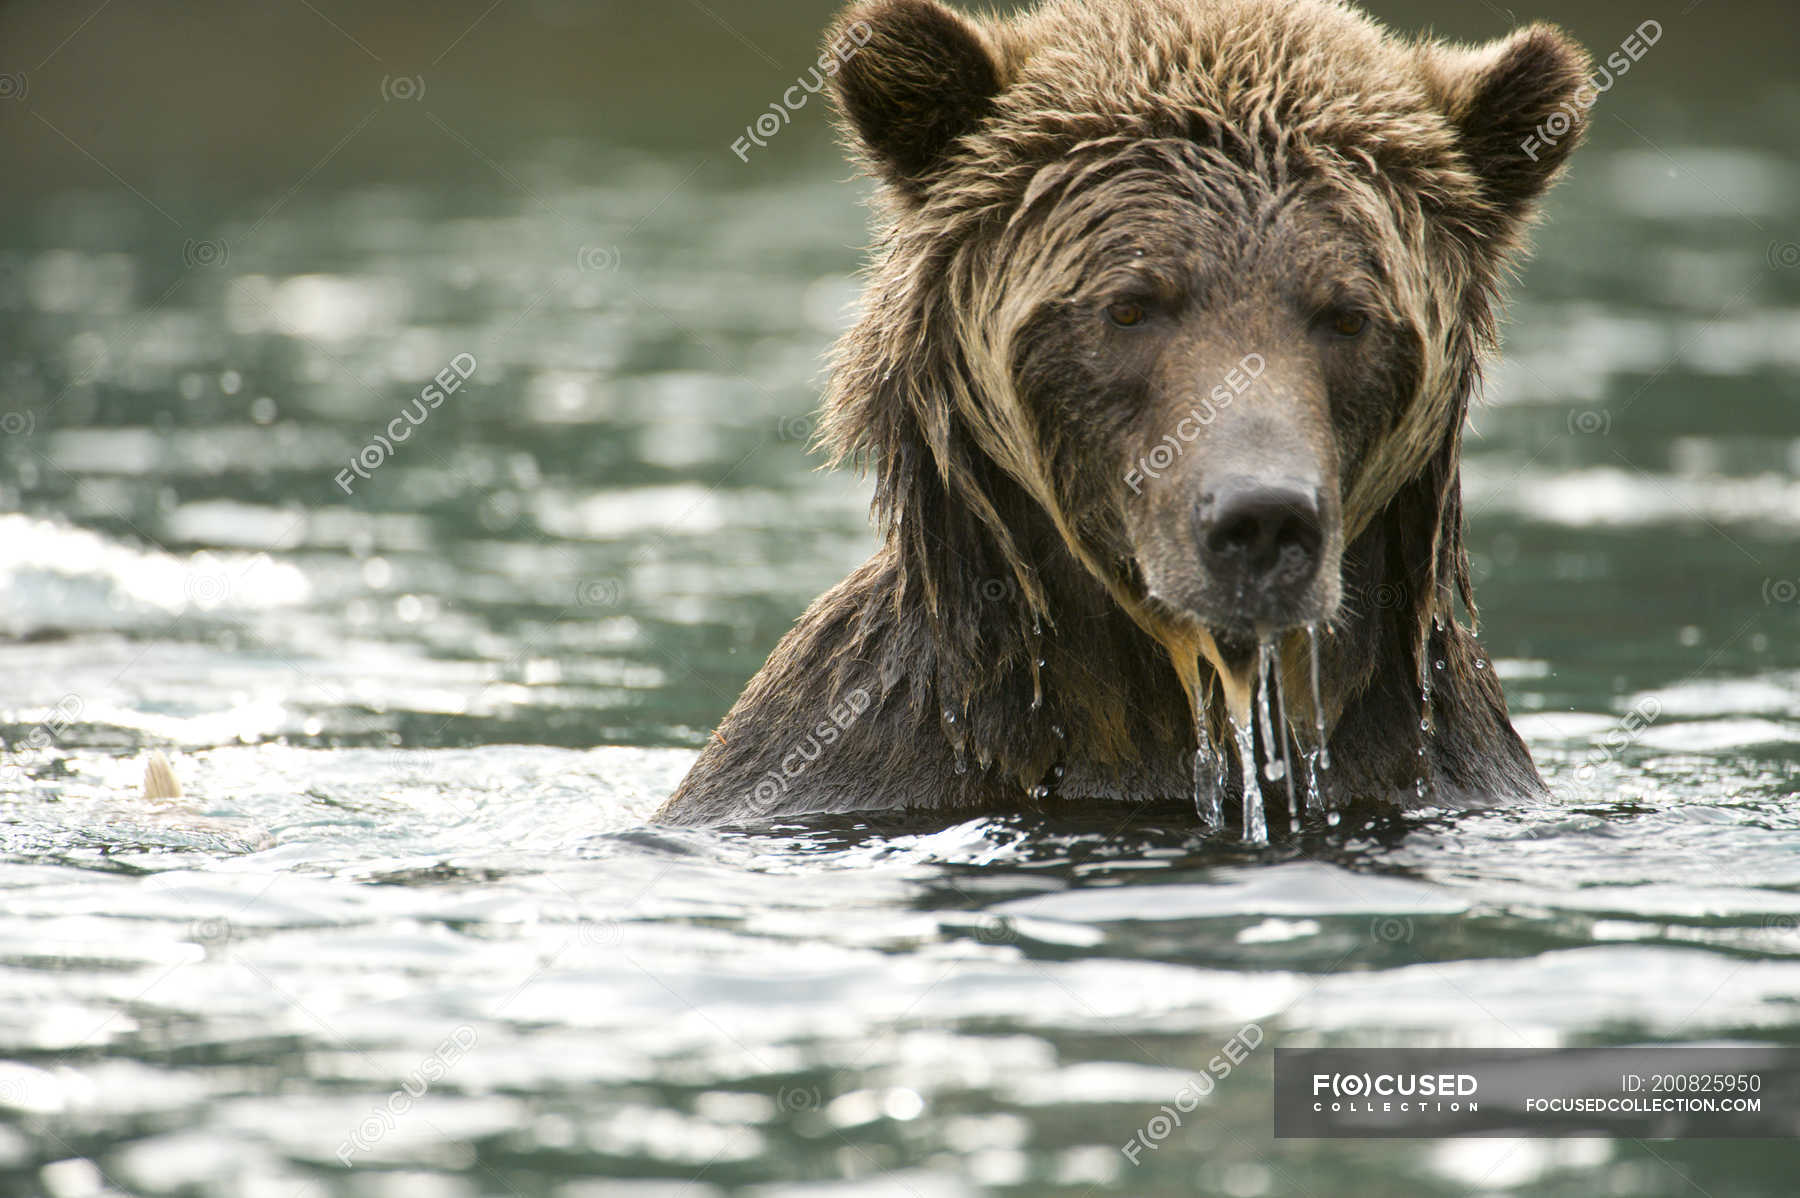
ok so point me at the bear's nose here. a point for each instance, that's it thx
(1261, 532)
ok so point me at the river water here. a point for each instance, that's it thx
(410, 932)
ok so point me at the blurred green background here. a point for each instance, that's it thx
(205, 106)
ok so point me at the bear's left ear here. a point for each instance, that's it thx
(919, 77)
(1517, 107)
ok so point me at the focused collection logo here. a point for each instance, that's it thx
(1405, 1093)
(1654, 1091)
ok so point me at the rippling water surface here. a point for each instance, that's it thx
(422, 718)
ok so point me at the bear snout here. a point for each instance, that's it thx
(1254, 550)
(1262, 539)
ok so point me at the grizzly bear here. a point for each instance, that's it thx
(1176, 313)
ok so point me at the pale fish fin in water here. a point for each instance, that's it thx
(160, 781)
(168, 823)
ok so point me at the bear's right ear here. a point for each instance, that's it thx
(914, 78)
(1516, 108)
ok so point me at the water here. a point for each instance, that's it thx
(421, 726)
(1254, 823)
(1290, 781)
(1209, 768)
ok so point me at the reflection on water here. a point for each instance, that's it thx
(422, 719)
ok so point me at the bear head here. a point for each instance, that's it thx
(1206, 282)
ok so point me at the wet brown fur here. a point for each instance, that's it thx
(1002, 649)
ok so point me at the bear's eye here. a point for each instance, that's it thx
(1349, 323)
(1125, 313)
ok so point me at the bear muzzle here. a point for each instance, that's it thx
(1261, 543)
(1261, 539)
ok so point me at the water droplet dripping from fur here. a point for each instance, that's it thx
(1285, 731)
(1209, 770)
(1425, 675)
(1273, 770)
(1318, 758)
(1419, 783)
(1256, 827)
